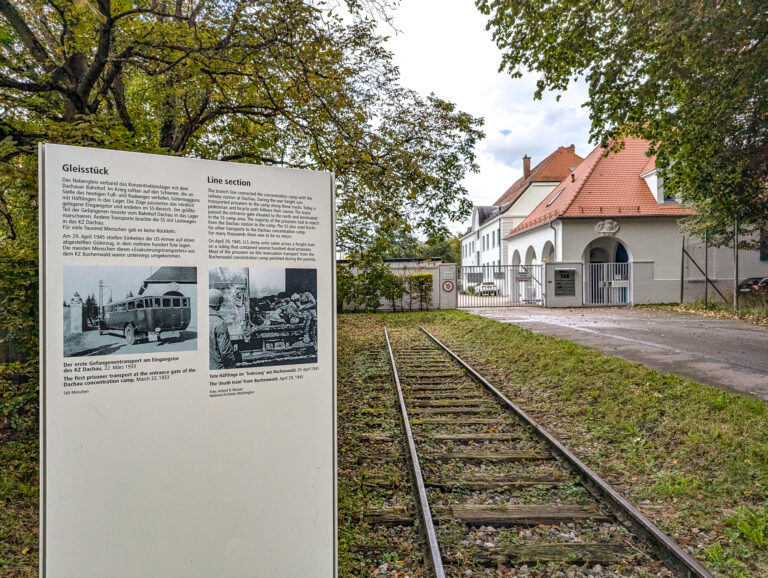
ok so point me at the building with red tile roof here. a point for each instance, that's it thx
(608, 234)
(481, 244)
(552, 169)
(606, 185)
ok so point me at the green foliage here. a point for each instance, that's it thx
(420, 287)
(18, 400)
(405, 245)
(392, 288)
(687, 75)
(365, 279)
(273, 83)
(345, 286)
(751, 525)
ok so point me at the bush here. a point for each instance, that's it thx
(393, 289)
(376, 281)
(420, 287)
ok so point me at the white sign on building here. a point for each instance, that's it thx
(157, 459)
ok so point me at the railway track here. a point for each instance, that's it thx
(496, 494)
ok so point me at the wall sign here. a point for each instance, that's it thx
(157, 459)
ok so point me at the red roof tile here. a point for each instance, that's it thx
(649, 166)
(604, 186)
(554, 168)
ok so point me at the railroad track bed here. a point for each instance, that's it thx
(500, 500)
(369, 429)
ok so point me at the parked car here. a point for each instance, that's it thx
(762, 286)
(486, 288)
(749, 284)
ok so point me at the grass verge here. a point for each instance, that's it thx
(692, 457)
(753, 309)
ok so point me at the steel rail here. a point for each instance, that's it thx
(426, 513)
(675, 556)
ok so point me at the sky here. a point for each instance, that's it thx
(442, 47)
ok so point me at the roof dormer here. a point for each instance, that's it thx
(655, 183)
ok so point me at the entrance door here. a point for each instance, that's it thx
(609, 284)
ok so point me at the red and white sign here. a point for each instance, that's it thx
(448, 286)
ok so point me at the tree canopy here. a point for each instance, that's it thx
(688, 75)
(296, 83)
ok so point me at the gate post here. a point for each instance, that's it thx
(447, 286)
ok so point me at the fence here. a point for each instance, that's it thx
(608, 284)
(500, 285)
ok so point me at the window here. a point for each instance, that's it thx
(557, 194)
(131, 306)
(122, 307)
(140, 304)
(166, 302)
(185, 301)
(176, 302)
(157, 301)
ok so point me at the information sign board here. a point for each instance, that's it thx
(157, 459)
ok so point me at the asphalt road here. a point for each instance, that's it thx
(91, 343)
(729, 354)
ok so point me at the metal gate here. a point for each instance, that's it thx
(608, 284)
(500, 285)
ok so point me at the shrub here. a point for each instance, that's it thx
(420, 287)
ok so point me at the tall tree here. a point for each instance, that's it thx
(273, 82)
(688, 75)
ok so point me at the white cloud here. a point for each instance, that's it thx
(443, 47)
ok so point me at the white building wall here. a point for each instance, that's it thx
(489, 238)
(655, 250)
(467, 249)
(498, 252)
(533, 238)
(531, 198)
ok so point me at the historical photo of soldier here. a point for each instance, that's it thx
(262, 316)
(113, 310)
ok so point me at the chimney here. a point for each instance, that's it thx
(526, 166)
(572, 148)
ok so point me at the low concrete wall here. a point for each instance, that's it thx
(444, 286)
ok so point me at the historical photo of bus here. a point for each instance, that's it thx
(122, 310)
(262, 316)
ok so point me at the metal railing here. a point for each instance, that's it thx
(500, 285)
(608, 284)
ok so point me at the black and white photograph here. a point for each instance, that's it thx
(125, 310)
(262, 316)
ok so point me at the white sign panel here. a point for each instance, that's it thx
(188, 368)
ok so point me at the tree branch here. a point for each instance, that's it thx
(28, 37)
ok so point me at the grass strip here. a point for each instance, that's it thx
(692, 457)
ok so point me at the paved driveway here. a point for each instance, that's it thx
(725, 353)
